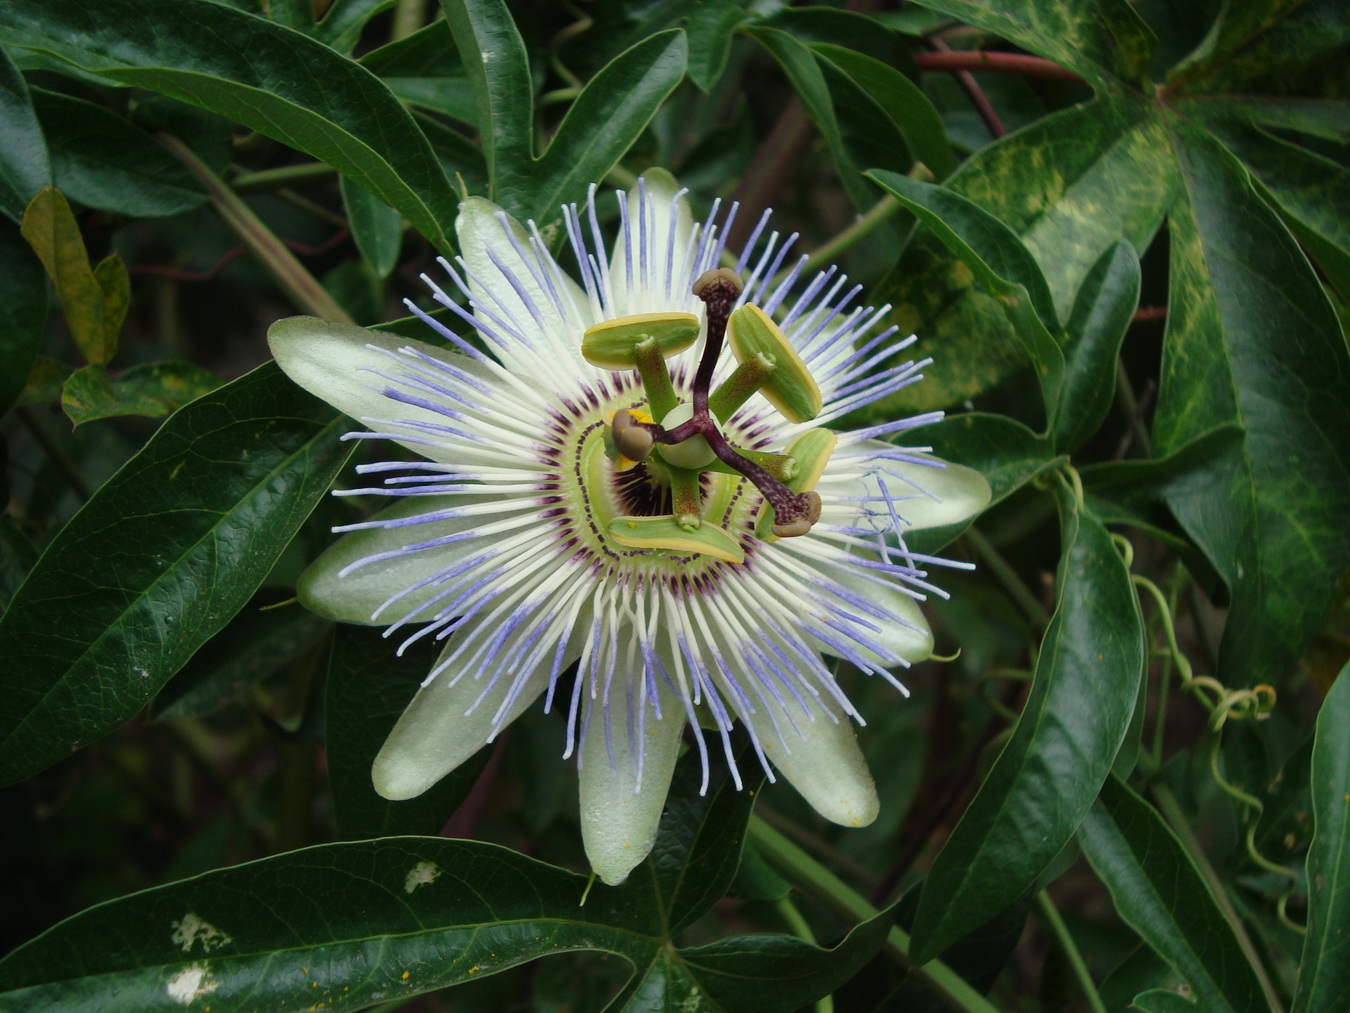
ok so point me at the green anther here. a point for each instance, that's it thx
(667, 533)
(651, 366)
(612, 344)
(749, 376)
(790, 388)
(811, 450)
(693, 453)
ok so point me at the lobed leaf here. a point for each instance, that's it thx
(1252, 341)
(158, 561)
(1043, 783)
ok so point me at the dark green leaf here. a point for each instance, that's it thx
(902, 102)
(1001, 265)
(1006, 452)
(711, 27)
(799, 64)
(1094, 333)
(493, 56)
(102, 161)
(367, 689)
(1159, 893)
(257, 643)
(1251, 340)
(603, 123)
(154, 389)
(158, 561)
(276, 81)
(845, 29)
(1162, 1000)
(341, 27)
(778, 972)
(1324, 972)
(1104, 41)
(1275, 47)
(23, 312)
(424, 69)
(1043, 783)
(24, 169)
(459, 156)
(376, 227)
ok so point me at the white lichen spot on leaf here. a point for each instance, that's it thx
(420, 875)
(190, 984)
(194, 930)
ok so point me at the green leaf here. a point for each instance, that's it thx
(271, 79)
(845, 29)
(1000, 263)
(803, 72)
(606, 119)
(376, 227)
(23, 312)
(208, 505)
(1324, 971)
(1275, 47)
(1162, 1000)
(1006, 452)
(1104, 41)
(366, 691)
(493, 56)
(49, 226)
(901, 101)
(24, 169)
(1043, 783)
(711, 28)
(424, 69)
(1251, 340)
(102, 161)
(352, 924)
(1160, 894)
(341, 27)
(1096, 328)
(154, 389)
(257, 643)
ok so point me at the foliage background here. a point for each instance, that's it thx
(1119, 228)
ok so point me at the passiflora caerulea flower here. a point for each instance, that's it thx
(632, 471)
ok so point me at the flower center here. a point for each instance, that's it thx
(675, 478)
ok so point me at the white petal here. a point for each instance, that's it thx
(354, 598)
(619, 811)
(651, 264)
(442, 727)
(528, 295)
(925, 495)
(821, 759)
(337, 363)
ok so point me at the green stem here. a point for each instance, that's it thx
(1070, 948)
(409, 16)
(798, 926)
(1008, 577)
(803, 870)
(829, 252)
(1176, 819)
(276, 179)
(302, 286)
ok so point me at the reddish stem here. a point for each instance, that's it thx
(1003, 63)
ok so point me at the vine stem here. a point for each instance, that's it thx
(1004, 63)
(1065, 940)
(800, 868)
(302, 286)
